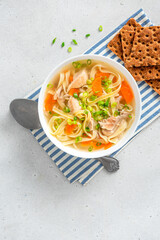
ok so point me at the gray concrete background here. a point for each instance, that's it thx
(36, 201)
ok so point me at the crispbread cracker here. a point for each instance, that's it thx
(146, 47)
(115, 44)
(145, 73)
(127, 42)
(155, 84)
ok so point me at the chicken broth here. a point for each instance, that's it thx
(89, 105)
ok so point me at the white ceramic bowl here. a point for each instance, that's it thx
(129, 133)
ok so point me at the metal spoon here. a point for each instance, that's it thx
(25, 112)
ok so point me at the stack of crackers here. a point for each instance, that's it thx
(139, 48)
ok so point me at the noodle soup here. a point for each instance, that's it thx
(89, 105)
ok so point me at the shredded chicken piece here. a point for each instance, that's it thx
(91, 124)
(73, 104)
(58, 93)
(109, 123)
(79, 79)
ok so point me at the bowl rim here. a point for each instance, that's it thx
(128, 135)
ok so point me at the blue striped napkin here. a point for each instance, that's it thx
(83, 170)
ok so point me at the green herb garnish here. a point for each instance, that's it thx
(74, 41)
(73, 30)
(63, 44)
(75, 118)
(69, 49)
(75, 95)
(114, 104)
(130, 116)
(97, 126)
(50, 85)
(87, 35)
(89, 61)
(87, 129)
(98, 144)
(90, 149)
(54, 40)
(116, 113)
(93, 97)
(126, 106)
(67, 110)
(85, 112)
(50, 112)
(100, 28)
(78, 139)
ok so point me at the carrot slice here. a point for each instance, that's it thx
(73, 90)
(70, 128)
(70, 78)
(126, 92)
(101, 74)
(108, 145)
(97, 87)
(49, 102)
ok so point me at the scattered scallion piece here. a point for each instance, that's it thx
(73, 30)
(97, 126)
(98, 144)
(87, 35)
(50, 85)
(50, 112)
(69, 49)
(116, 113)
(75, 95)
(89, 81)
(93, 97)
(69, 121)
(89, 61)
(126, 106)
(85, 94)
(74, 41)
(87, 129)
(114, 104)
(67, 110)
(100, 28)
(85, 112)
(90, 108)
(130, 116)
(54, 40)
(107, 102)
(75, 118)
(90, 149)
(78, 139)
(63, 44)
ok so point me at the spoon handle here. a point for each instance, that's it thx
(110, 164)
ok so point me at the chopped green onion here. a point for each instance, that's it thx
(107, 102)
(93, 97)
(101, 103)
(74, 41)
(85, 112)
(73, 30)
(75, 95)
(96, 91)
(90, 108)
(98, 144)
(82, 119)
(50, 112)
(108, 90)
(89, 81)
(69, 121)
(83, 100)
(67, 110)
(85, 94)
(100, 28)
(75, 118)
(56, 127)
(74, 122)
(126, 106)
(130, 116)
(97, 126)
(116, 113)
(87, 129)
(87, 35)
(54, 40)
(59, 120)
(99, 118)
(76, 64)
(114, 104)
(69, 49)
(89, 61)
(83, 106)
(50, 85)
(90, 149)
(78, 139)
(63, 44)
